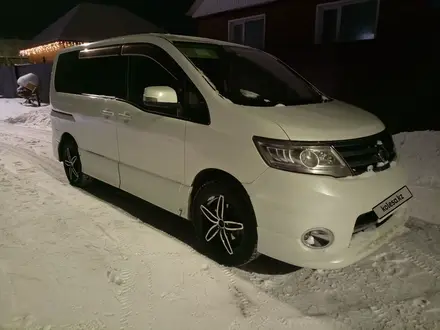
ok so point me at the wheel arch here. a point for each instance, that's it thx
(66, 137)
(218, 175)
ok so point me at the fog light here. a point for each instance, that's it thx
(318, 238)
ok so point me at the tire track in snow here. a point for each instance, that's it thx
(390, 315)
(55, 170)
(371, 291)
(28, 321)
(127, 287)
(380, 313)
(150, 289)
(425, 261)
(366, 280)
(128, 284)
(378, 309)
(243, 303)
(338, 279)
(23, 132)
(52, 167)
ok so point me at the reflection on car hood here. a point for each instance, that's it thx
(334, 120)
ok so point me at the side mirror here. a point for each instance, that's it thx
(160, 96)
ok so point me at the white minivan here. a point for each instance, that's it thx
(232, 139)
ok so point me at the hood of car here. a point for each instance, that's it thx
(334, 120)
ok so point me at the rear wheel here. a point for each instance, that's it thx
(225, 223)
(72, 165)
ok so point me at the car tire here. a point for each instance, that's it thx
(72, 165)
(225, 223)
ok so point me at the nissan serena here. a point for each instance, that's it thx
(232, 139)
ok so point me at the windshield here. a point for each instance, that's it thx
(249, 76)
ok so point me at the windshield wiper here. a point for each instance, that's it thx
(325, 99)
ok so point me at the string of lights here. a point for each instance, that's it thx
(49, 48)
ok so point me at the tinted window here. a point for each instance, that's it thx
(249, 76)
(104, 76)
(67, 78)
(153, 66)
(146, 72)
(99, 75)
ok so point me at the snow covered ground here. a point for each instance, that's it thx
(13, 111)
(99, 259)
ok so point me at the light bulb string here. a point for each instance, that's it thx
(49, 48)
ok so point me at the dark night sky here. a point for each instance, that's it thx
(25, 19)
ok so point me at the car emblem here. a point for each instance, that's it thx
(382, 153)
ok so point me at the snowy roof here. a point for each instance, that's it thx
(91, 22)
(202, 8)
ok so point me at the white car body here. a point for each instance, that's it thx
(158, 158)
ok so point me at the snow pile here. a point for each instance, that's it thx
(38, 118)
(13, 111)
(12, 108)
(29, 81)
(419, 153)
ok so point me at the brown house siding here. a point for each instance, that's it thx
(292, 23)
(287, 22)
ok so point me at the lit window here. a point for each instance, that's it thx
(249, 31)
(347, 20)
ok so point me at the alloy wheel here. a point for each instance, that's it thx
(72, 165)
(220, 224)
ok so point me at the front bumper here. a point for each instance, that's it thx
(288, 204)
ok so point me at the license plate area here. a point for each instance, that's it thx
(392, 203)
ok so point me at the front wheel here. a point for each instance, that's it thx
(225, 223)
(73, 167)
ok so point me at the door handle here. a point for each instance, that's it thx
(125, 116)
(107, 113)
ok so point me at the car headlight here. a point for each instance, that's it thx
(302, 157)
